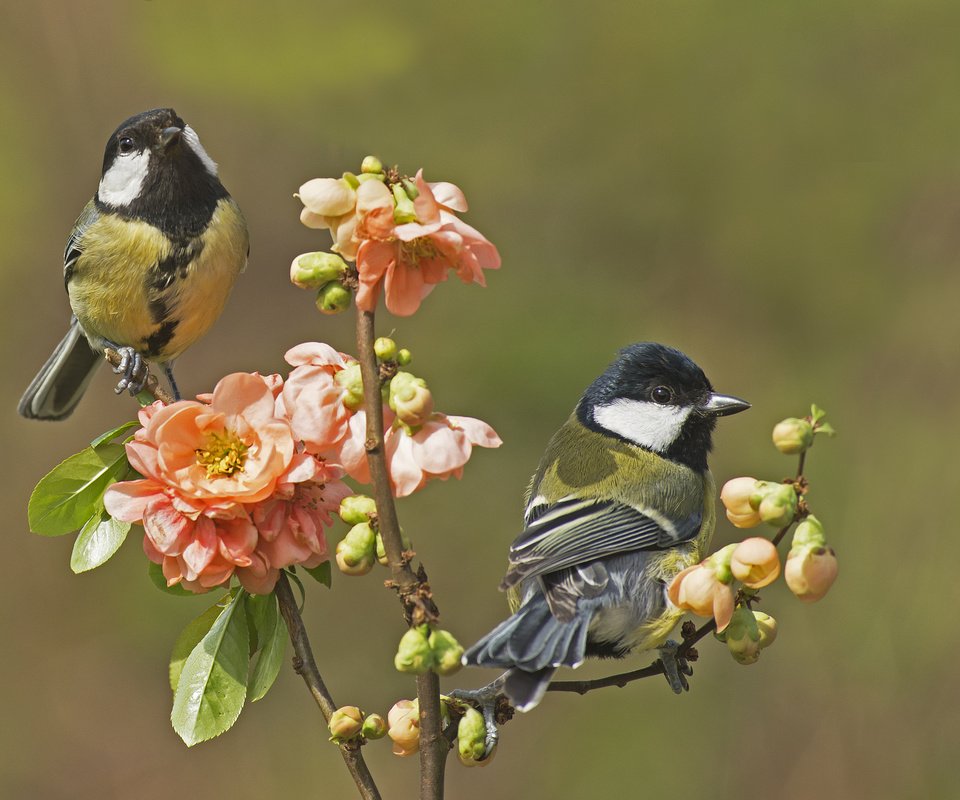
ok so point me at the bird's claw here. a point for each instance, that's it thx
(133, 369)
(676, 668)
(486, 698)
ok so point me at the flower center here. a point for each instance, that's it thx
(411, 252)
(224, 454)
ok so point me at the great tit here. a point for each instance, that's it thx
(622, 501)
(148, 265)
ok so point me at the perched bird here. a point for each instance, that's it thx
(622, 501)
(148, 265)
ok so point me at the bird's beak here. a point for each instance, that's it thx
(169, 135)
(722, 405)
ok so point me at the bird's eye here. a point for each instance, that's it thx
(125, 144)
(661, 395)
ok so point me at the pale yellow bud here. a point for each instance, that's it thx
(329, 197)
(345, 723)
(792, 435)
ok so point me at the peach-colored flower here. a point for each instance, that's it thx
(811, 571)
(735, 496)
(404, 721)
(755, 562)
(698, 589)
(409, 259)
(438, 449)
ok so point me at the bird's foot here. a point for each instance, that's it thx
(488, 699)
(133, 369)
(676, 668)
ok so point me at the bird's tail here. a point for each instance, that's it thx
(531, 645)
(60, 384)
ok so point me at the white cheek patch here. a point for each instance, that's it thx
(649, 425)
(193, 142)
(121, 184)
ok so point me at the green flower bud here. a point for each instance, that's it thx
(404, 356)
(351, 180)
(778, 504)
(313, 270)
(446, 652)
(345, 724)
(350, 379)
(414, 653)
(471, 737)
(404, 210)
(792, 435)
(333, 298)
(371, 176)
(767, 626)
(809, 533)
(374, 727)
(357, 509)
(385, 348)
(355, 552)
(410, 187)
(382, 550)
(371, 165)
(742, 636)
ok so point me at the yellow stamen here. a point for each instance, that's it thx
(225, 454)
(413, 251)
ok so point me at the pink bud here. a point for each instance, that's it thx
(735, 496)
(810, 572)
(404, 721)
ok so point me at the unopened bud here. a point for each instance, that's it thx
(755, 562)
(345, 723)
(357, 508)
(404, 730)
(410, 399)
(776, 503)
(471, 738)
(792, 435)
(382, 550)
(313, 270)
(404, 210)
(350, 379)
(810, 572)
(355, 552)
(767, 626)
(809, 533)
(742, 636)
(404, 356)
(414, 654)
(333, 298)
(385, 348)
(374, 727)
(447, 652)
(371, 165)
(735, 496)
(329, 197)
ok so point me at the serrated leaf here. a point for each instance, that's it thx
(321, 573)
(100, 537)
(213, 682)
(272, 635)
(155, 571)
(70, 493)
(190, 637)
(110, 435)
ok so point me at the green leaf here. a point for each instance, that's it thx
(816, 413)
(109, 436)
(213, 682)
(320, 573)
(257, 608)
(155, 571)
(825, 428)
(71, 492)
(272, 635)
(190, 637)
(100, 537)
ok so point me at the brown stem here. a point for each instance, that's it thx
(306, 666)
(413, 587)
(152, 385)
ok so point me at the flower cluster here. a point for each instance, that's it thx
(403, 233)
(243, 481)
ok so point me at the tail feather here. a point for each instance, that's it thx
(526, 689)
(61, 382)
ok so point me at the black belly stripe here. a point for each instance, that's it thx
(154, 344)
(174, 267)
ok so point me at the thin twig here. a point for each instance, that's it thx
(305, 664)
(412, 587)
(151, 385)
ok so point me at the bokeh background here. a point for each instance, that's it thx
(774, 188)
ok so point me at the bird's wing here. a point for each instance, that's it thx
(73, 249)
(576, 531)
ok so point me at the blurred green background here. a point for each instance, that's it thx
(772, 187)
